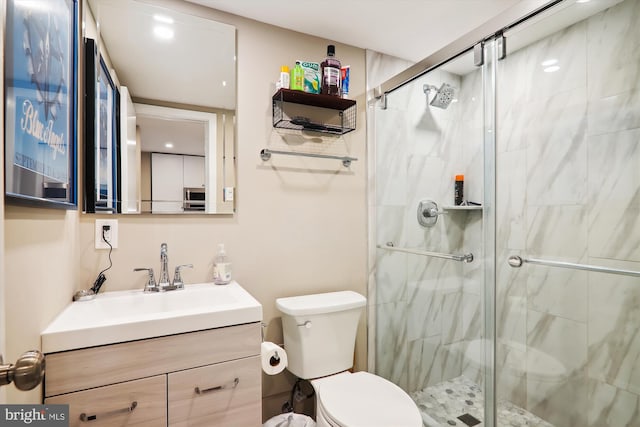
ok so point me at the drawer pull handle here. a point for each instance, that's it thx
(86, 418)
(232, 384)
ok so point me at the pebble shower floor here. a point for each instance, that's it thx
(446, 401)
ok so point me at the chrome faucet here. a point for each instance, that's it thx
(177, 277)
(151, 285)
(164, 282)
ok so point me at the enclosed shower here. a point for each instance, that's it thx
(519, 306)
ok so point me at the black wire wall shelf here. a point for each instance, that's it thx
(297, 110)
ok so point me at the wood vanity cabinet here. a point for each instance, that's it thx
(204, 378)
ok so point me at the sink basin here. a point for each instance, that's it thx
(114, 317)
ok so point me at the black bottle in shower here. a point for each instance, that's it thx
(458, 190)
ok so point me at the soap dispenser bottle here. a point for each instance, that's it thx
(222, 267)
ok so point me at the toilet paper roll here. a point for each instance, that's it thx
(274, 358)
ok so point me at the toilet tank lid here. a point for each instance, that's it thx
(320, 303)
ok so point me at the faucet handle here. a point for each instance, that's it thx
(177, 278)
(151, 285)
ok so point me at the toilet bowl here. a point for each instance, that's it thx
(319, 336)
(362, 399)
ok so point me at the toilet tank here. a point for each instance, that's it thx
(320, 332)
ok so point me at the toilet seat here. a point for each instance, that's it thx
(362, 399)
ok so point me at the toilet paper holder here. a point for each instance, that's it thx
(273, 357)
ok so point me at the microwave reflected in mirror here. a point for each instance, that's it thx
(194, 199)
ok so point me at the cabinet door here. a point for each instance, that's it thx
(225, 394)
(137, 403)
(193, 171)
(166, 182)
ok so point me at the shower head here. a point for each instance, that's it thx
(444, 95)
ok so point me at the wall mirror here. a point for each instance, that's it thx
(175, 71)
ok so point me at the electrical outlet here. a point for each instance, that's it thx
(110, 235)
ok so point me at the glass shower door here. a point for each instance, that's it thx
(429, 268)
(568, 185)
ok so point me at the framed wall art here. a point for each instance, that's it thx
(41, 55)
(102, 139)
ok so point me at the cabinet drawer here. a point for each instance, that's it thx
(111, 405)
(225, 394)
(117, 363)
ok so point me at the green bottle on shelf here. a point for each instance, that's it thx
(297, 77)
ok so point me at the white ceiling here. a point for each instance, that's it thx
(156, 132)
(407, 29)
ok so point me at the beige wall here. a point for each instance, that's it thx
(300, 225)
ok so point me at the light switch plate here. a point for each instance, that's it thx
(227, 195)
(111, 235)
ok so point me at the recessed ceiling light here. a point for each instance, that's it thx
(163, 33)
(582, 1)
(552, 69)
(549, 62)
(224, 83)
(163, 18)
(169, 145)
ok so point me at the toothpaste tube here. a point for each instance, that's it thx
(345, 80)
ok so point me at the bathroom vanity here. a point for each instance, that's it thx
(202, 377)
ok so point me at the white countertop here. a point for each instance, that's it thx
(121, 316)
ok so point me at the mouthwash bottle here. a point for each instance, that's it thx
(331, 73)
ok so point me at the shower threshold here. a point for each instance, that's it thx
(445, 402)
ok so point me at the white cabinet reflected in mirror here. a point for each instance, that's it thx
(175, 70)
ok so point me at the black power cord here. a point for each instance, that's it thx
(101, 277)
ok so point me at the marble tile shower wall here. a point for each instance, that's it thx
(427, 309)
(569, 189)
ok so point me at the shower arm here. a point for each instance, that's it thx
(426, 88)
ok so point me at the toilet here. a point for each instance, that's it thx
(319, 337)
